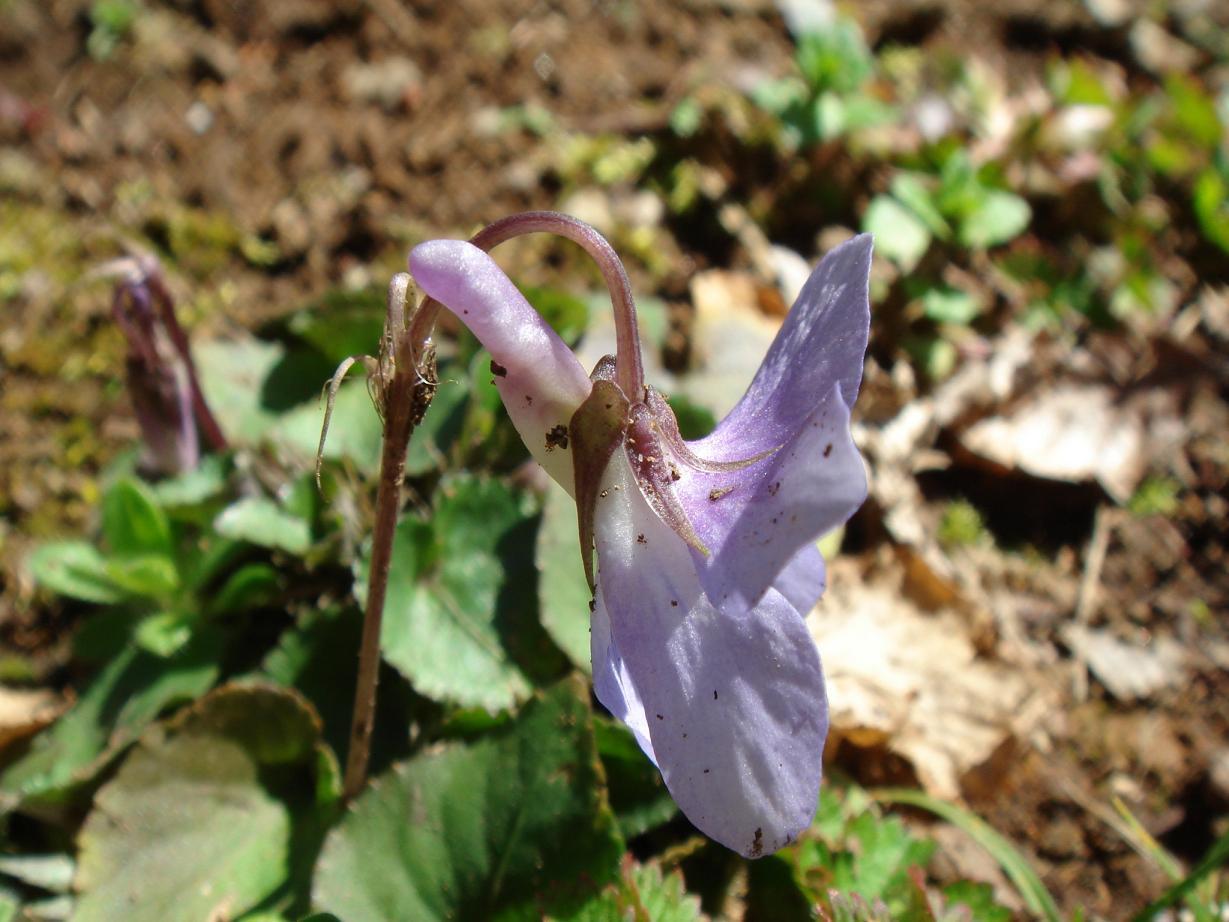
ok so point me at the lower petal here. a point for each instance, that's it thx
(803, 580)
(733, 700)
(611, 682)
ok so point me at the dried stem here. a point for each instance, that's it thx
(403, 401)
(398, 427)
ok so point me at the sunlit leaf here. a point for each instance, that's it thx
(563, 594)
(164, 634)
(900, 235)
(916, 194)
(502, 828)
(148, 575)
(950, 305)
(999, 217)
(74, 569)
(262, 521)
(1210, 200)
(233, 375)
(202, 817)
(132, 522)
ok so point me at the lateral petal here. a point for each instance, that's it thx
(757, 520)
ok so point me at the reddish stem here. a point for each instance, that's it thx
(629, 369)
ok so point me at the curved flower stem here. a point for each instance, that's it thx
(629, 369)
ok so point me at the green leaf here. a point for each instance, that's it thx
(935, 355)
(233, 374)
(250, 587)
(51, 872)
(132, 523)
(342, 323)
(130, 692)
(513, 826)
(1034, 893)
(563, 593)
(695, 421)
(453, 617)
(827, 117)
(195, 487)
(147, 575)
(950, 305)
(263, 522)
(1210, 200)
(567, 314)
(900, 235)
(201, 818)
(644, 894)
(886, 851)
(74, 569)
(914, 192)
(165, 633)
(999, 217)
(318, 656)
(979, 899)
(355, 431)
(836, 58)
(1194, 111)
(773, 892)
(1214, 859)
(637, 793)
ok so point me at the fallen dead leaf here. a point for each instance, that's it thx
(913, 681)
(1128, 671)
(23, 712)
(1071, 432)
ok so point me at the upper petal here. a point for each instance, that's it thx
(538, 377)
(821, 344)
(733, 701)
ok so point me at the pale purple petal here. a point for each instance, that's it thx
(822, 343)
(733, 701)
(803, 580)
(538, 377)
(756, 520)
(612, 683)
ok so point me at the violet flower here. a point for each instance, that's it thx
(706, 551)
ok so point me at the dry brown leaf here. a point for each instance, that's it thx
(23, 712)
(1129, 671)
(913, 681)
